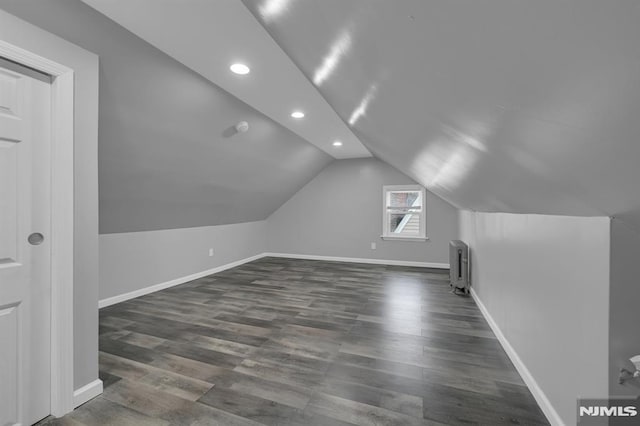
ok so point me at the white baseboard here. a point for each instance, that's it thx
(527, 377)
(87, 392)
(161, 286)
(157, 287)
(360, 260)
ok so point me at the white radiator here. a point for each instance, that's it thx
(459, 266)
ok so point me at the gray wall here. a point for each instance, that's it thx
(167, 155)
(339, 213)
(545, 282)
(306, 224)
(624, 319)
(134, 260)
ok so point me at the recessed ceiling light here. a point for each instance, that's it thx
(337, 143)
(297, 114)
(241, 69)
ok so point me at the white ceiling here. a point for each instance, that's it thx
(208, 36)
(495, 105)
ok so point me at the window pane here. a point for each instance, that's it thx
(404, 199)
(404, 224)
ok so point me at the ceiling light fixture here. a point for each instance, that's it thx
(239, 68)
(297, 114)
(337, 143)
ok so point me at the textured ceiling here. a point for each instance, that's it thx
(495, 105)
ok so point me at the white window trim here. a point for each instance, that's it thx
(386, 235)
(405, 238)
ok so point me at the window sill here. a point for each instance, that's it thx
(414, 239)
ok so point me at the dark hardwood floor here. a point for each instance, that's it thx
(297, 342)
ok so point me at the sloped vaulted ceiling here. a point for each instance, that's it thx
(168, 153)
(495, 105)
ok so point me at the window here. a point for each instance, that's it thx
(403, 212)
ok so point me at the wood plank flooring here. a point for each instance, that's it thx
(298, 342)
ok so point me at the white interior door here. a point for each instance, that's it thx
(25, 254)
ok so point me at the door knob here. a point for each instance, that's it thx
(35, 239)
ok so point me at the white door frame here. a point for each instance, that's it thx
(62, 221)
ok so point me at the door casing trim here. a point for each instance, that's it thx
(62, 221)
